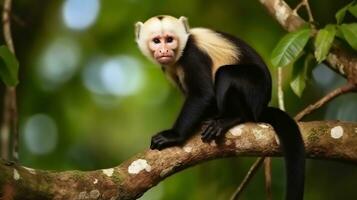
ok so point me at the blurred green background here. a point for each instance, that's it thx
(88, 99)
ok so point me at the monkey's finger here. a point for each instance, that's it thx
(219, 132)
(206, 132)
(209, 134)
(164, 144)
(212, 134)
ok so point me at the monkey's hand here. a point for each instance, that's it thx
(213, 130)
(166, 138)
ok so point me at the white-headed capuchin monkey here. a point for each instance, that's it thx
(225, 83)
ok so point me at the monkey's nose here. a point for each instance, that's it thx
(164, 51)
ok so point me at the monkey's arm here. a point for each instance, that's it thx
(195, 109)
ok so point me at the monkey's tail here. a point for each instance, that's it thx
(292, 146)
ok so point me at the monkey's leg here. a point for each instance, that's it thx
(194, 111)
(238, 99)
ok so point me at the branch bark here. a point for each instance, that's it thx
(323, 140)
(9, 123)
(341, 61)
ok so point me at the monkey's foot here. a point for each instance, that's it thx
(164, 139)
(216, 128)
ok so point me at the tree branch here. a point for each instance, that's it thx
(9, 123)
(341, 61)
(333, 94)
(323, 140)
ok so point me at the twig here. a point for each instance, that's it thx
(306, 4)
(333, 94)
(280, 89)
(10, 109)
(267, 174)
(252, 171)
(6, 13)
(5, 127)
(309, 13)
(296, 9)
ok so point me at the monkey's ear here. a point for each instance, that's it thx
(138, 26)
(185, 23)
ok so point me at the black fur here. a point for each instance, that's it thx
(240, 93)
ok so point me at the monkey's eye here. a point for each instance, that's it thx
(169, 39)
(156, 40)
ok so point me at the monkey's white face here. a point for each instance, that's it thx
(163, 48)
(162, 38)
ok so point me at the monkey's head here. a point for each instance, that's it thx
(162, 38)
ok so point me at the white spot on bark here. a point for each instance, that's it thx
(237, 130)
(242, 144)
(187, 149)
(82, 195)
(281, 11)
(32, 171)
(213, 143)
(341, 68)
(258, 134)
(94, 194)
(277, 139)
(261, 125)
(166, 171)
(228, 142)
(95, 181)
(16, 175)
(337, 132)
(139, 165)
(108, 172)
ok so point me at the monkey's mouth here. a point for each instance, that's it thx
(165, 59)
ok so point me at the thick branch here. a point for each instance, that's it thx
(323, 140)
(343, 62)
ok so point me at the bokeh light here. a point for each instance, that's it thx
(79, 15)
(40, 134)
(323, 76)
(118, 76)
(58, 63)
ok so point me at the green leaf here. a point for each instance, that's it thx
(302, 71)
(350, 34)
(340, 15)
(339, 34)
(289, 47)
(9, 67)
(323, 42)
(353, 10)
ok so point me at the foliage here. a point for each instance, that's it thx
(9, 67)
(291, 46)
(323, 42)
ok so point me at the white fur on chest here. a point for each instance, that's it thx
(176, 75)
